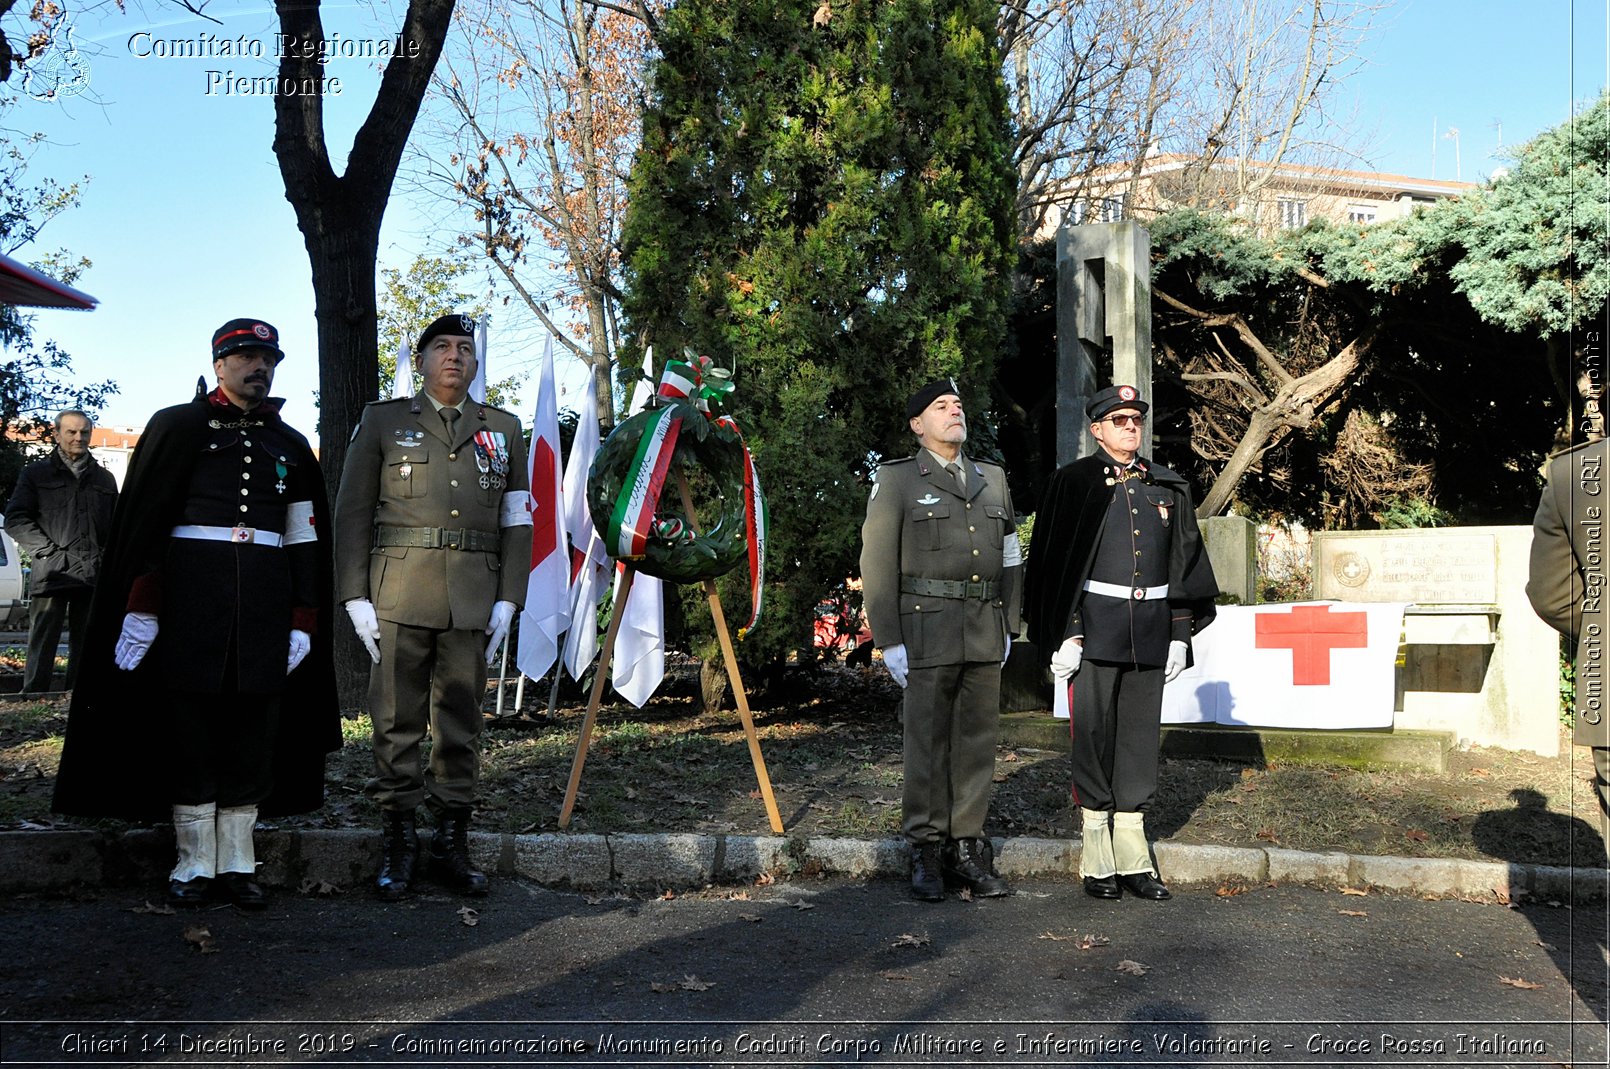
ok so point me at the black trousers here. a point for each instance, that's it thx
(1115, 713)
(223, 747)
(46, 615)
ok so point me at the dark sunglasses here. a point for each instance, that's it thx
(1126, 421)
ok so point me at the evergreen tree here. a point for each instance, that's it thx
(822, 202)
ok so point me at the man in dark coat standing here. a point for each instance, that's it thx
(1566, 587)
(939, 571)
(208, 689)
(1118, 581)
(433, 554)
(60, 513)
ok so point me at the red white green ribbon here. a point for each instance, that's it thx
(630, 524)
(696, 379)
(755, 524)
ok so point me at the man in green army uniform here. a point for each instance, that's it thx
(939, 572)
(432, 555)
(1566, 586)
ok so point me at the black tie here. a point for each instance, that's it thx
(450, 417)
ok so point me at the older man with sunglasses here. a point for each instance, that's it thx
(1118, 581)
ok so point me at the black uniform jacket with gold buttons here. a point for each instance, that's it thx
(214, 605)
(921, 525)
(1067, 536)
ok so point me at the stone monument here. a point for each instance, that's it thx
(1104, 324)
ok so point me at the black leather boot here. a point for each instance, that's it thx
(399, 854)
(450, 854)
(970, 863)
(926, 882)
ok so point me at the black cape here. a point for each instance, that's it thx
(114, 758)
(1062, 548)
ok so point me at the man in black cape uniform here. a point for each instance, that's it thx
(1118, 580)
(208, 688)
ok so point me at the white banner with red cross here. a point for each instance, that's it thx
(1317, 664)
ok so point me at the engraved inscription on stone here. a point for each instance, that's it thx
(1425, 566)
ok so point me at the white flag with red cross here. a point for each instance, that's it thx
(547, 596)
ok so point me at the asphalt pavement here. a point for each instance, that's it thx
(806, 971)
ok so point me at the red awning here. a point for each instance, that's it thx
(22, 285)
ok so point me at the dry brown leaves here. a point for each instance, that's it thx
(468, 917)
(906, 939)
(1524, 985)
(201, 937)
(1133, 968)
(687, 983)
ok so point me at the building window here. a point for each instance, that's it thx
(1361, 213)
(1293, 213)
(1110, 209)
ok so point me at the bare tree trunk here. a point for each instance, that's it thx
(340, 216)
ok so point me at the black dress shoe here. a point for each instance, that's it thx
(1144, 885)
(191, 892)
(242, 890)
(926, 881)
(1102, 887)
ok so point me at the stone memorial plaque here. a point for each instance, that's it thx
(1426, 566)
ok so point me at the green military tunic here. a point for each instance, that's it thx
(433, 527)
(939, 573)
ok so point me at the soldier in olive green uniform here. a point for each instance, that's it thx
(939, 568)
(1567, 588)
(432, 552)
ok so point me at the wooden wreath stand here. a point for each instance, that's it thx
(730, 657)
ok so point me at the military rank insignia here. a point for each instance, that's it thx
(492, 457)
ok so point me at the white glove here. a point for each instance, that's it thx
(301, 642)
(894, 659)
(139, 631)
(1177, 654)
(1065, 662)
(367, 625)
(498, 627)
(1008, 654)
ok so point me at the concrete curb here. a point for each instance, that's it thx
(305, 859)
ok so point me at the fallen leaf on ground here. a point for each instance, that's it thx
(738, 896)
(1352, 913)
(1480, 772)
(1269, 835)
(1525, 985)
(1354, 891)
(965, 894)
(765, 879)
(661, 989)
(804, 905)
(200, 937)
(752, 918)
(317, 887)
(1088, 941)
(693, 983)
(469, 916)
(1547, 946)
(1230, 890)
(908, 940)
(1009, 756)
(1416, 834)
(1133, 968)
(160, 911)
(890, 974)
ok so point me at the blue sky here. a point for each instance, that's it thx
(186, 220)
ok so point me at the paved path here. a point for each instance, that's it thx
(800, 972)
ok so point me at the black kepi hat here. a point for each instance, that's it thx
(929, 394)
(455, 323)
(1114, 397)
(246, 334)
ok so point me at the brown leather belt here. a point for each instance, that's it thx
(949, 588)
(438, 538)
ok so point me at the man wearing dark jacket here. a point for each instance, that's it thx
(209, 691)
(1118, 581)
(60, 513)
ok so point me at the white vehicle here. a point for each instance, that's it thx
(13, 598)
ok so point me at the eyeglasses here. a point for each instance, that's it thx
(1126, 421)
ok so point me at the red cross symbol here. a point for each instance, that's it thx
(1311, 632)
